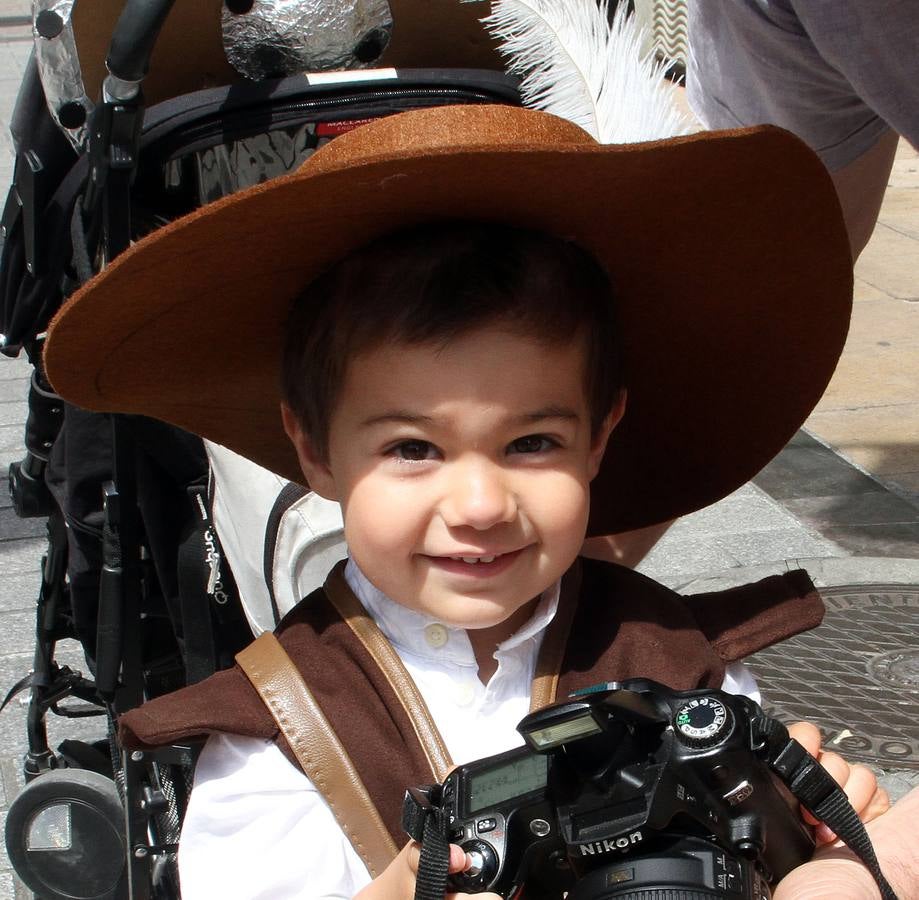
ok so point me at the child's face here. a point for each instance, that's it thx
(481, 451)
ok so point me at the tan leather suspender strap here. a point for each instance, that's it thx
(552, 651)
(352, 612)
(317, 749)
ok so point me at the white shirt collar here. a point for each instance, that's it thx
(411, 631)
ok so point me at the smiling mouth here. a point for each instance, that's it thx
(484, 564)
(475, 560)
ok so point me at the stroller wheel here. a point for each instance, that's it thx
(65, 836)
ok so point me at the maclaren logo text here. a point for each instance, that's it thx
(607, 846)
(215, 586)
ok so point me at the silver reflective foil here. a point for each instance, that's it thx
(59, 68)
(230, 167)
(286, 37)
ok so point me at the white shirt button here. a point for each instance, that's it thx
(465, 694)
(436, 635)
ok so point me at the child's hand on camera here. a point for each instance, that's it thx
(397, 881)
(859, 782)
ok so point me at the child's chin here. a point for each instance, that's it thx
(478, 613)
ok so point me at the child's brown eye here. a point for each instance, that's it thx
(414, 451)
(532, 443)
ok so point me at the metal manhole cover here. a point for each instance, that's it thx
(856, 676)
(899, 669)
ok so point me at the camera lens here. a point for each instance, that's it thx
(687, 867)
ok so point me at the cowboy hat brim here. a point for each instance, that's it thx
(726, 251)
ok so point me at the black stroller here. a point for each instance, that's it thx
(133, 567)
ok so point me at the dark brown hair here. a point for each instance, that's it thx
(434, 283)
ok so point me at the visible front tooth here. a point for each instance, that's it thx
(470, 559)
(487, 559)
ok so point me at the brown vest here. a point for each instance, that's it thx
(612, 624)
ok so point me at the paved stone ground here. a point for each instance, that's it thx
(842, 499)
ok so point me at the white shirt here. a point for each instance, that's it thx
(257, 829)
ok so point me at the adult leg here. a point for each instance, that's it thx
(861, 185)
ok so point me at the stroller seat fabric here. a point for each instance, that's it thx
(300, 533)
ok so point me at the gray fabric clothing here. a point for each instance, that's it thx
(838, 73)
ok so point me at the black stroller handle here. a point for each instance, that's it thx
(134, 37)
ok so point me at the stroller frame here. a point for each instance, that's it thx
(147, 788)
(92, 196)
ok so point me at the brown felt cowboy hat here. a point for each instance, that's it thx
(726, 250)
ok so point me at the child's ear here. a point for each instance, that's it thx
(600, 439)
(318, 474)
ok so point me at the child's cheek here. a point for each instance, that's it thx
(379, 518)
(560, 511)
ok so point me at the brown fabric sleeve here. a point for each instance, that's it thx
(227, 702)
(741, 620)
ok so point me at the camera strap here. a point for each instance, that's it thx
(425, 821)
(819, 792)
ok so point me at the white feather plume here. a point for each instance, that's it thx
(576, 64)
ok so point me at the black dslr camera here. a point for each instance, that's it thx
(630, 790)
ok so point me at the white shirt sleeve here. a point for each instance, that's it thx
(738, 679)
(257, 829)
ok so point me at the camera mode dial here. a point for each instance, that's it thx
(703, 722)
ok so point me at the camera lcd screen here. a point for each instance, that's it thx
(515, 778)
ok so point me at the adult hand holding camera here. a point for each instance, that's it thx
(397, 881)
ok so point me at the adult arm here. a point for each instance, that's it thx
(836, 874)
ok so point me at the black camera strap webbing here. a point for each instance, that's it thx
(820, 794)
(425, 821)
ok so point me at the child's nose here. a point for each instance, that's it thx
(478, 496)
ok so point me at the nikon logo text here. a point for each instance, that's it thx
(607, 846)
